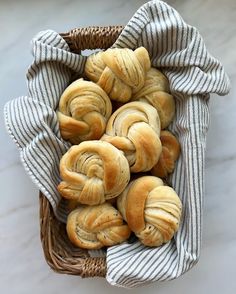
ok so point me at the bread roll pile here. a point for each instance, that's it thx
(116, 119)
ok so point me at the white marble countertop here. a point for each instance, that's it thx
(22, 265)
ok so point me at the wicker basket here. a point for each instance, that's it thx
(59, 253)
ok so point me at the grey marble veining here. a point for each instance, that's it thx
(22, 265)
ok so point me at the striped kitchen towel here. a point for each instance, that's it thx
(179, 51)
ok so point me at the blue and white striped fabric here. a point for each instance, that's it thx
(179, 51)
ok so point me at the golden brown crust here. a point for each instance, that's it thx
(136, 199)
(155, 81)
(165, 164)
(151, 210)
(169, 155)
(94, 66)
(171, 143)
(119, 71)
(129, 66)
(156, 92)
(92, 172)
(164, 104)
(134, 128)
(93, 227)
(84, 108)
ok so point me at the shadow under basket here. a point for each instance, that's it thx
(59, 253)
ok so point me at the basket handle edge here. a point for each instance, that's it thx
(92, 37)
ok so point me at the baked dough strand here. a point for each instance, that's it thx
(134, 128)
(151, 210)
(84, 109)
(119, 71)
(156, 92)
(169, 155)
(94, 227)
(93, 172)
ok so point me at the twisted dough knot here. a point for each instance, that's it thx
(155, 92)
(151, 210)
(83, 111)
(169, 155)
(119, 71)
(92, 172)
(134, 128)
(93, 227)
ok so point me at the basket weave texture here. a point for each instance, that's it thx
(59, 253)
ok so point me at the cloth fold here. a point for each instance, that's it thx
(179, 51)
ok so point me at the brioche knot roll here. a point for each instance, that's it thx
(169, 155)
(156, 92)
(119, 71)
(151, 210)
(84, 108)
(134, 128)
(93, 172)
(93, 227)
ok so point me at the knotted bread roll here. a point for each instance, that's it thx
(169, 155)
(119, 71)
(134, 128)
(156, 92)
(93, 227)
(151, 210)
(83, 111)
(92, 172)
